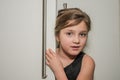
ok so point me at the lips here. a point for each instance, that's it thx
(75, 47)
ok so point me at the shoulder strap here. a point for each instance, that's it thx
(73, 69)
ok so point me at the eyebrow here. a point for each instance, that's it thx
(80, 31)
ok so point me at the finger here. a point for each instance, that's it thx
(48, 53)
(47, 58)
(47, 62)
(52, 52)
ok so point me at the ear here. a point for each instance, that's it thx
(57, 41)
(57, 38)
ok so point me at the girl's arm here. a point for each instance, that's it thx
(87, 69)
(55, 64)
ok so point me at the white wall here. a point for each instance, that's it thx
(21, 38)
(104, 38)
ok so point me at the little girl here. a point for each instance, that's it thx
(69, 62)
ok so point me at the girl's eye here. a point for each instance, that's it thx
(83, 34)
(69, 33)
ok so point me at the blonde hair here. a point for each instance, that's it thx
(74, 14)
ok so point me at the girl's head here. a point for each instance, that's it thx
(72, 27)
(70, 17)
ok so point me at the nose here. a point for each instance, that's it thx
(76, 40)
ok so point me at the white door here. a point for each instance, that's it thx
(21, 39)
(104, 39)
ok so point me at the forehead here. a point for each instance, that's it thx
(79, 27)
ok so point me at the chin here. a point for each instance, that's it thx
(74, 53)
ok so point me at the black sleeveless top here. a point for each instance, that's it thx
(73, 69)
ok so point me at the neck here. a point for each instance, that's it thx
(64, 55)
(65, 58)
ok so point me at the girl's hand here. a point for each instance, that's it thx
(53, 61)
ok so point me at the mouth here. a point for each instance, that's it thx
(75, 47)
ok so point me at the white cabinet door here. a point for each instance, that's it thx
(21, 39)
(104, 38)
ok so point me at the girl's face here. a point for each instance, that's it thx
(73, 39)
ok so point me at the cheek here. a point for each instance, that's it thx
(84, 41)
(65, 41)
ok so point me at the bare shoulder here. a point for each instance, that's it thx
(88, 64)
(88, 61)
(87, 68)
